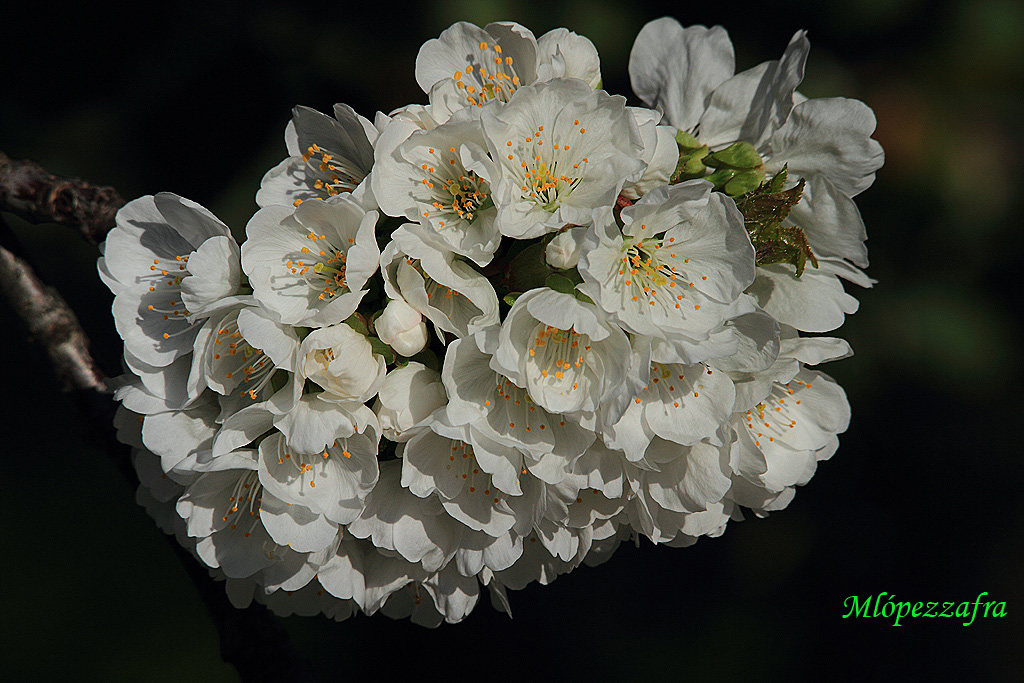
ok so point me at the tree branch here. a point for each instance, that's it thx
(50, 323)
(31, 192)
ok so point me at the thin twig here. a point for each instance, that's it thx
(33, 193)
(50, 322)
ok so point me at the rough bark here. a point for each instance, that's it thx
(33, 193)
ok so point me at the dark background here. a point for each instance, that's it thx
(923, 499)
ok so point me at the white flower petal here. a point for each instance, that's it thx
(296, 526)
(675, 70)
(751, 105)
(831, 137)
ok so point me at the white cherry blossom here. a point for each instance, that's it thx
(448, 465)
(563, 150)
(441, 178)
(660, 152)
(676, 270)
(342, 362)
(563, 251)
(146, 265)
(684, 404)
(684, 497)
(326, 157)
(688, 75)
(569, 54)
(782, 438)
(222, 511)
(229, 352)
(396, 520)
(564, 353)
(613, 363)
(309, 265)
(470, 66)
(504, 412)
(321, 489)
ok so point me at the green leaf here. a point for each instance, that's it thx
(528, 269)
(383, 349)
(560, 283)
(764, 209)
(511, 297)
(582, 297)
(778, 181)
(789, 246)
(358, 323)
(428, 358)
(573, 275)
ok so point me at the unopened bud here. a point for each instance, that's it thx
(737, 155)
(401, 327)
(563, 252)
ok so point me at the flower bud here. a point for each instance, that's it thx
(401, 327)
(563, 251)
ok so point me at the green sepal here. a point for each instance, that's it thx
(737, 155)
(511, 297)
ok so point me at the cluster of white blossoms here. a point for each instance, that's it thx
(481, 341)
